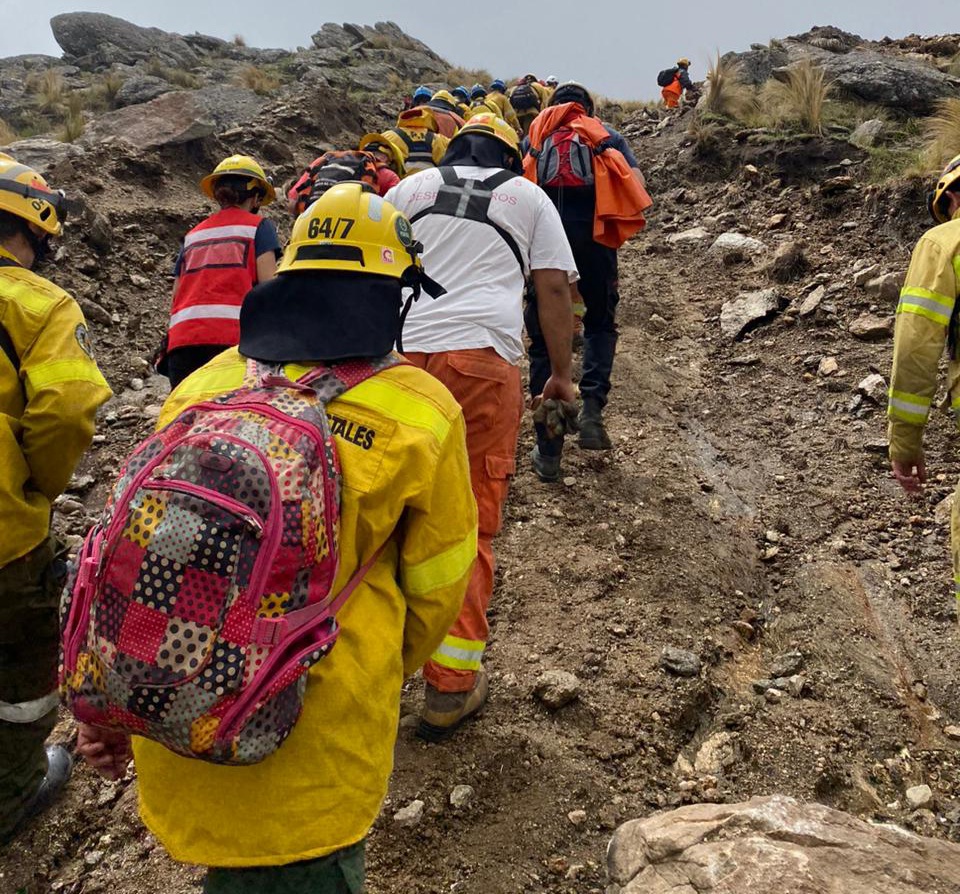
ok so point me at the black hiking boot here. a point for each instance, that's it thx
(593, 436)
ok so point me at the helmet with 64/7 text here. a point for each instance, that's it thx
(25, 194)
(350, 229)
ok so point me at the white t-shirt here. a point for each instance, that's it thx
(483, 307)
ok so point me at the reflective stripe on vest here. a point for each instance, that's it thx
(470, 200)
(217, 269)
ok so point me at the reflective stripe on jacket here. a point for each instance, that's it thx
(420, 147)
(217, 269)
(924, 316)
(402, 448)
(47, 410)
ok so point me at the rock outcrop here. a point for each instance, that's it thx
(95, 39)
(775, 844)
(860, 71)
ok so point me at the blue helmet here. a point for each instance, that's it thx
(422, 94)
(498, 85)
(478, 91)
(462, 92)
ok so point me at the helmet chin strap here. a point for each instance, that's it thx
(39, 245)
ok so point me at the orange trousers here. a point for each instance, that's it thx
(671, 94)
(490, 393)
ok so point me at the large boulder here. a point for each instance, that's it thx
(775, 844)
(42, 154)
(140, 89)
(177, 118)
(859, 71)
(94, 40)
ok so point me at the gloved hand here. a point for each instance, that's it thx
(559, 416)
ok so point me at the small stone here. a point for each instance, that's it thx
(774, 696)
(865, 274)
(868, 327)
(569, 481)
(772, 536)
(828, 366)
(745, 629)
(919, 797)
(952, 732)
(747, 310)
(770, 553)
(787, 664)
(796, 685)
(574, 872)
(556, 688)
(812, 301)
(92, 858)
(577, 817)
(718, 753)
(462, 796)
(136, 384)
(679, 662)
(874, 387)
(411, 815)
(886, 287)
(775, 221)
(697, 234)
(761, 686)
(867, 133)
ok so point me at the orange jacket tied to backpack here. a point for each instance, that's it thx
(620, 198)
(218, 268)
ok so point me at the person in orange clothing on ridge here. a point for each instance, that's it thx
(486, 229)
(674, 81)
(222, 258)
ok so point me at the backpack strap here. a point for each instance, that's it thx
(329, 382)
(470, 200)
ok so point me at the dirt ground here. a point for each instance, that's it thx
(744, 513)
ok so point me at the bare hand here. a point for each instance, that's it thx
(559, 388)
(107, 751)
(911, 474)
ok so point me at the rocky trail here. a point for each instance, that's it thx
(735, 601)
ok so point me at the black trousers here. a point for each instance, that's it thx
(597, 265)
(181, 362)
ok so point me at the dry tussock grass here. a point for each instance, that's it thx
(942, 134)
(467, 76)
(258, 80)
(7, 133)
(800, 99)
(726, 93)
(49, 89)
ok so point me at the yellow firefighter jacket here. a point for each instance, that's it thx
(47, 411)
(924, 315)
(402, 446)
(419, 147)
(503, 107)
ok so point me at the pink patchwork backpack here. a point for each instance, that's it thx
(203, 595)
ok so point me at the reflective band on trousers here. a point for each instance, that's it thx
(459, 654)
(29, 712)
(205, 312)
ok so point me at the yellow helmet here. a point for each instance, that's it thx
(25, 193)
(491, 125)
(683, 62)
(353, 230)
(378, 142)
(241, 166)
(935, 199)
(418, 116)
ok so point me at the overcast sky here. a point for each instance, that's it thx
(615, 47)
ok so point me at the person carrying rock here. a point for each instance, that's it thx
(926, 321)
(674, 81)
(297, 820)
(589, 173)
(220, 260)
(485, 230)
(50, 388)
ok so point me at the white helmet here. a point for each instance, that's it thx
(552, 81)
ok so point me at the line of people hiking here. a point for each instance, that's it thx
(315, 507)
